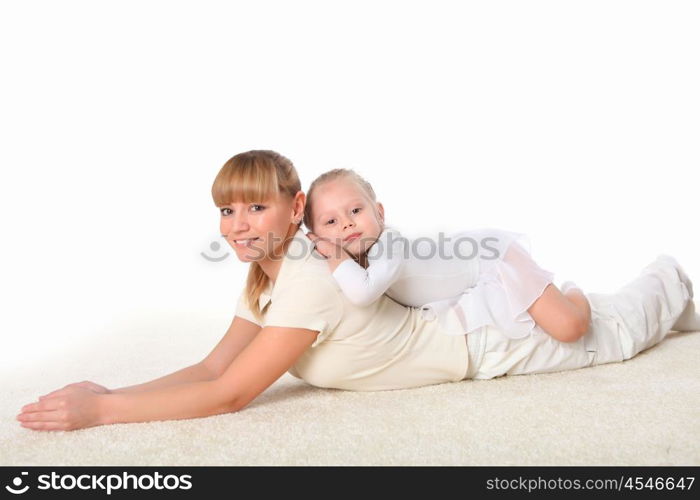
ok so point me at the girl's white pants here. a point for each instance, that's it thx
(636, 317)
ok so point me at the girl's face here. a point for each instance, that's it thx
(345, 215)
(256, 231)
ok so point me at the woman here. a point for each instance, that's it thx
(291, 316)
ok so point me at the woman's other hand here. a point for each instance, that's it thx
(73, 407)
(97, 388)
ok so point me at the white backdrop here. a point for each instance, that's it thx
(574, 122)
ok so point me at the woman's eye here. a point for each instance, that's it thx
(259, 208)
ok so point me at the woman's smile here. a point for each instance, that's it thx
(244, 243)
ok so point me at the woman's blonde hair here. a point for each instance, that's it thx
(331, 175)
(255, 176)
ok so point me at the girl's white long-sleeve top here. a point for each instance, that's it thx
(412, 273)
(461, 274)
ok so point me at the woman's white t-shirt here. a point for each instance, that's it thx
(381, 346)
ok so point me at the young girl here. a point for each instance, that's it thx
(484, 275)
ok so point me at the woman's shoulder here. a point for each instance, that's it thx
(302, 262)
(309, 272)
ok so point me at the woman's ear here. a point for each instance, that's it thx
(299, 203)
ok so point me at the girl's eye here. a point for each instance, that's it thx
(261, 208)
(222, 210)
(353, 211)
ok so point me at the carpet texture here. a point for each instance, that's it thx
(643, 411)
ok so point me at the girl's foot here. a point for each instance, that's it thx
(681, 272)
(689, 320)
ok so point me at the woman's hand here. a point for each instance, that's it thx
(73, 407)
(323, 246)
(97, 388)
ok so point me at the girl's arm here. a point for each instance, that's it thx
(272, 352)
(363, 286)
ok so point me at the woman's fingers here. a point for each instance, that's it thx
(45, 415)
(76, 408)
(46, 405)
(38, 416)
(45, 426)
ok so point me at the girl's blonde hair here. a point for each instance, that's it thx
(332, 175)
(255, 176)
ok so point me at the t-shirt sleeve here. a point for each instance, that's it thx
(243, 311)
(363, 286)
(314, 304)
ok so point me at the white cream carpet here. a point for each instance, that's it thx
(644, 411)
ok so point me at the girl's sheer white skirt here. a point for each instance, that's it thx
(509, 282)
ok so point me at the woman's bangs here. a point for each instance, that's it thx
(245, 184)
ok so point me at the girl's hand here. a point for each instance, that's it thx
(323, 246)
(86, 383)
(73, 407)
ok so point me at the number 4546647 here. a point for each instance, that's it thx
(659, 483)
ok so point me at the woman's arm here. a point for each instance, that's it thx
(268, 356)
(186, 393)
(238, 335)
(193, 373)
(272, 352)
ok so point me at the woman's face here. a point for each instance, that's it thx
(257, 230)
(341, 209)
